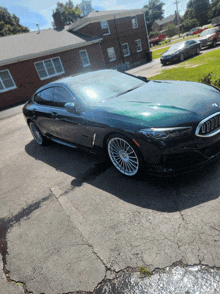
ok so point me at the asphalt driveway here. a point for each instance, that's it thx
(70, 221)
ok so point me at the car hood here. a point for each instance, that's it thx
(206, 37)
(163, 103)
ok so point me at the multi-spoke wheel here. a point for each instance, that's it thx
(197, 50)
(36, 133)
(124, 155)
(214, 43)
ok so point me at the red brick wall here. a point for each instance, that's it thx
(27, 80)
(121, 32)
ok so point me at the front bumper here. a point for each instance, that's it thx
(182, 158)
(206, 43)
(170, 59)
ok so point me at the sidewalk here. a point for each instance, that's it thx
(11, 111)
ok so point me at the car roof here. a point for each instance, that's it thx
(73, 79)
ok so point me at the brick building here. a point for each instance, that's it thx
(124, 36)
(107, 39)
(160, 24)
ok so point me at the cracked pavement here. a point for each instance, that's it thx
(69, 221)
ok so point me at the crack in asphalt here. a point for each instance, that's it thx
(5, 225)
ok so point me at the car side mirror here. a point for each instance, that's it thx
(70, 107)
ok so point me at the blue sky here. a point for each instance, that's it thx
(31, 12)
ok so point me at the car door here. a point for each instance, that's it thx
(42, 111)
(69, 126)
(191, 47)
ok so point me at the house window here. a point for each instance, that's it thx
(105, 28)
(134, 22)
(125, 49)
(111, 54)
(49, 68)
(6, 81)
(138, 45)
(84, 58)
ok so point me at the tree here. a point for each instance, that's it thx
(10, 24)
(198, 9)
(171, 30)
(68, 12)
(154, 11)
(188, 24)
(215, 8)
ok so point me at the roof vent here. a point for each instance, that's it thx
(37, 24)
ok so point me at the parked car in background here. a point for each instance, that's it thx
(180, 51)
(210, 37)
(161, 126)
(195, 31)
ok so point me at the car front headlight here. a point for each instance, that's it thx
(166, 133)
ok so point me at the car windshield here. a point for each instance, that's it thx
(208, 32)
(176, 47)
(104, 85)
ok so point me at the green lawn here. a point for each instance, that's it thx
(194, 69)
(159, 52)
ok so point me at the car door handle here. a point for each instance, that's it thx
(54, 113)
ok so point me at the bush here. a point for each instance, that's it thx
(171, 30)
(154, 34)
(189, 24)
(208, 80)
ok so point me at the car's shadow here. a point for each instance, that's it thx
(160, 194)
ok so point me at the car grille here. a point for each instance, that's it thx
(209, 127)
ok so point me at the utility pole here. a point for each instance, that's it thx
(177, 14)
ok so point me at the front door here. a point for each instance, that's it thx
(68, 125)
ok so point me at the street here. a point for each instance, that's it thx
(70, 221)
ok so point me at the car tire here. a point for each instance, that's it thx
(163, 63)
(198, 50)
(214, 43)
(36, 133)
(124, 155)
(181, 57)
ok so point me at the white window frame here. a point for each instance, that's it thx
(1, 81)
(134, 25)
(128, 49)
(110, 48)
(48, 75)
(140, 44)
(88, 61)
(103, 26)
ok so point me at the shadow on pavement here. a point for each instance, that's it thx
(150, 192)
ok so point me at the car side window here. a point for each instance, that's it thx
(44, 97)
(61, 97)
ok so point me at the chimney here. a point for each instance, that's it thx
(58, 20)
(37, 24)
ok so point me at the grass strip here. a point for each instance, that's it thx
(194, 69)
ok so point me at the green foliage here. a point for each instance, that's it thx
(145, 271)
(215, 8)
(207, 79)
(10, 24)
(69, 13)
(154, 34)
(154, 11)
(188, 24)
(198, 10)
(171, 30)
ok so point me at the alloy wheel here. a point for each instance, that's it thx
(123, 156)
(181, 57)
